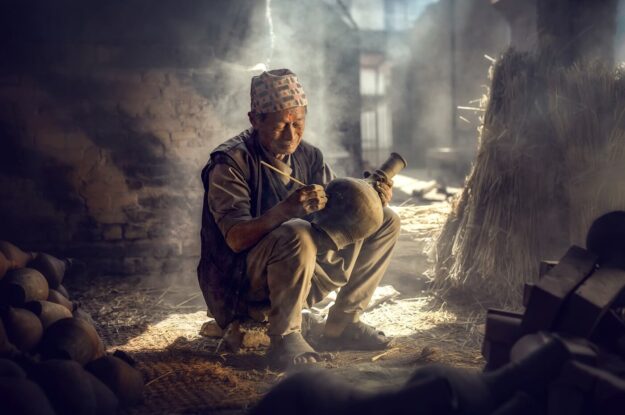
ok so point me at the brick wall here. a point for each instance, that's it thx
(108, 111)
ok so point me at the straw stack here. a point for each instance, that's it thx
(549, 147)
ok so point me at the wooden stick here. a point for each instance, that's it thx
(159, 378)
(187, 300)
(282, 173)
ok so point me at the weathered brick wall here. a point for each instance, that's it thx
(108, 112)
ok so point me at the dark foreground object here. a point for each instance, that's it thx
(52, 360)
(522, 387)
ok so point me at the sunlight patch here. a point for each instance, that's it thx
(407, 316)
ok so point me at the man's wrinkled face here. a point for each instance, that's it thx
(280, 132)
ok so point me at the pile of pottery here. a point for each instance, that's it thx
(52, 360)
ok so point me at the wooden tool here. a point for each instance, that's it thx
(269, 166)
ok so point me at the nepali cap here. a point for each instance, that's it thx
(276, 90)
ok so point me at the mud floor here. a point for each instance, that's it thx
(159, 325)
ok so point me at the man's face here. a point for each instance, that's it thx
(280, 132)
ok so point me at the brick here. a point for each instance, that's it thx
(121, 199)
(138, 214)
(591, 301)
(50, 140)
(107, 216)
(106, 266)
(550, 292)
(112, 232)
(135, 232)
(172, 265)
(183, 135)
(134, 106)
(153, 77)
(160, 109)
(163, 136)
(132, 266)
(97, 250)
(157, 248)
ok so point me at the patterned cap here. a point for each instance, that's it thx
(276, 90)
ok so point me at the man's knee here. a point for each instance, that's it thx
(391, 221)
(296, 234)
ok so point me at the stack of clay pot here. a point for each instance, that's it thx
(52, 360)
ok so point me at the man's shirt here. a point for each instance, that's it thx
(229, 196)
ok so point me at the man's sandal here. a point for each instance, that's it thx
(285, 350)
(357, 336)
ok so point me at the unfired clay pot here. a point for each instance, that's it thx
(23, 396)
(354, 210)
(6, 347)
(15, 255)
(23, 328)
(61, 288)
(5, 265)
(124, 380)
(52, 268)
(70, 388)
(10, 369)
(48, 312)
(56, 297)
(71, 338)
(20, 286)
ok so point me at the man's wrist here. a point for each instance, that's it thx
(279, 213)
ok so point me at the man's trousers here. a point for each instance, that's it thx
(291, 268)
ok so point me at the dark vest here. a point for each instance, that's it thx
(221, 271)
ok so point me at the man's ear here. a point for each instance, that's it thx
(252, 118)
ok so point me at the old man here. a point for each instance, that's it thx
(259, 247)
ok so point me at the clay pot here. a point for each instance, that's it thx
(56, 297)
(66, 385)
(606, 239)
(24, 397)
(124, 380)
(6, 347)
(106, 401)
(83, 315)
(393, 165)
(20, 286)
(23, 328)
(16, 257)
(10, 369)
(48, 312)
(354, 210)
(5, 265)
(52, 268)
(61, 288)
(71, 338)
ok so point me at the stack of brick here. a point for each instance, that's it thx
(579, 299)
(107, 115)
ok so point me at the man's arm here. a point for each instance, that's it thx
(300, 203)
(229, 201)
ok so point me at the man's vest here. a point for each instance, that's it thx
(221, 271)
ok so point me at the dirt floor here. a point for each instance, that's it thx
(187, 373)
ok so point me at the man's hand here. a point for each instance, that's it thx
(303, 201)
(382, 185)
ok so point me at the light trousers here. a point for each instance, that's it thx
(291, 268)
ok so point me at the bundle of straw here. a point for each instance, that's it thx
(550, 138)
